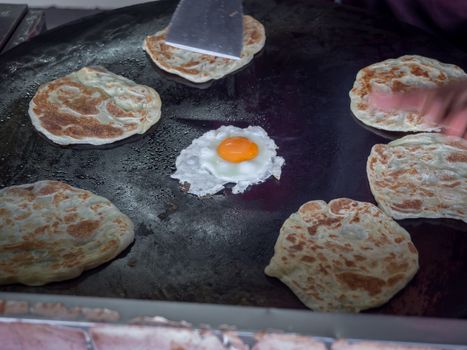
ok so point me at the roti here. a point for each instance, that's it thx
(343, 344)
(420, 176)
(51, 231)
(343, 256)
(93, 106)
(119, 337)
(198, 67)
(33, 336)
(287, 342)
(399, 75)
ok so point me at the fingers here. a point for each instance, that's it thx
(410, 101)
(456, 124)
(434, 109)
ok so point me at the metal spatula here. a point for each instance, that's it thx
(213, 27)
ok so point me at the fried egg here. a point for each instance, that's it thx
(228, 155)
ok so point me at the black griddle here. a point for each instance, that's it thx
(214, 250)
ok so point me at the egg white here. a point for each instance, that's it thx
(206, 172)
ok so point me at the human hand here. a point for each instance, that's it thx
(444, 106)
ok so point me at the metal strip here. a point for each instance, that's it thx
(252, 319)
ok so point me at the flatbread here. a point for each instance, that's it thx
(199, 67)
(51, 231)
(422, 175)
(287, 342)
(397, 75)
(33, 336)
(93, 106)
(345, 256)
(373, 345)
(117, 337)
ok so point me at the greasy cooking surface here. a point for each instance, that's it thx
(215, 249)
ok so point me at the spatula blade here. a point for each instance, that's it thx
(213, 27)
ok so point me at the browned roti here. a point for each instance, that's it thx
(422, 175)
(343, 256)
(373, 345)
(199, 67)
(399, 75)
(51, 231)
(287, 342)
(93, 106)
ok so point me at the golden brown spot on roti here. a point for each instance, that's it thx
(398, 86)
(41, 230)
(457, 157)
(96, 206)
(69, 218)
(307, 258)
(340, 206)
(121, 223)
(327, 222)
(380, 151)
(83, 104)
(190, 64)
(26, 193)
(298, 247)
(394, 267)
(50, 188)
(362, 105)
(369, 74)
(73, 255)
(322, 257)
(118, 112)
(394, 280)
(338, 247)
(359, 258)
(59, 197)
(64, 124)
(398, 173)
(291, 238)
(323, 270)
(372, 163)
(372, 285)
(399, 240)
(310, 207)
(23, 216)
(457, 144)
(454, 184)
(83, 101)
(415, 204)
(83, 229)
(416, 70)
(84, 196)
(109, 245)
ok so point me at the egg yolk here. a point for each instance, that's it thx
(237, 149)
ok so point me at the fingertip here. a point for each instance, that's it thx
(383, 100)
(456, 124)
